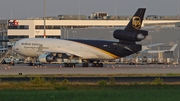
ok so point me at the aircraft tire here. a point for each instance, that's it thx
(93, 64)
(85, 65)
(69, 65)
(97, 65)
(65, 65)
(100, 64)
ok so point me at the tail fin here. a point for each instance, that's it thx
(136, 20)
(174, 47)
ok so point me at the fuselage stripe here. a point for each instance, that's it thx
(99, 49)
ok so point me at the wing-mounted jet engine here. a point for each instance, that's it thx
(46, 58)
(51, 57)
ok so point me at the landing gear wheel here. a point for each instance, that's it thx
(97, 64)
(65, 65)
(85, 65)
(69, 65)
(93, 64)
(100, 64)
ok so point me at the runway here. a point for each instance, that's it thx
(107, 69)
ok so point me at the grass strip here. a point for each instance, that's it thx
(96, 93)
(92, 75)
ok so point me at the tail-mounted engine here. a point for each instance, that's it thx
(46, 57)
(136, 35)
(132, 32)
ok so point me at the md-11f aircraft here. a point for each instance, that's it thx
(48, 50)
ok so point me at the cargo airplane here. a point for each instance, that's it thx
(49, 50)
(162, 51)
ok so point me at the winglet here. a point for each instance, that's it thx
(174, 47)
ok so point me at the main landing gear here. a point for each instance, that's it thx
(69, 65)
(97, 64)
(83, 65)
(74, 65)
(93, 65)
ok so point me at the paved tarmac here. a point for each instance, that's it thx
(107, 69)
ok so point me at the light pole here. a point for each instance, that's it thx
(115, 8)
(67, 34)
(177, 42)
(151, 36)
(177, 9)
(152, 55)
(44, 18)
(79, 18)
(74, 32)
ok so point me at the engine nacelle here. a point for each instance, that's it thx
(46, 57)
(128, 36)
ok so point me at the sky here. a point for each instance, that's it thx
(21, 9)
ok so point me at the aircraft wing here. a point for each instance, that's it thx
(64, 53)
(174, 47)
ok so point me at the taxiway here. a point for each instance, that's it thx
(107, 69)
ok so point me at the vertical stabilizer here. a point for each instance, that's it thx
(136, 20)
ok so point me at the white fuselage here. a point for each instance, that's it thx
(29, 48)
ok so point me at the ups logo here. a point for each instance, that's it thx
(136, 22)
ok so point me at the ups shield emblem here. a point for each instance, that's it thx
(136, 22)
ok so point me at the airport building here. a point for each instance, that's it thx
(3, 39)
(3, 34)
(35, 28)
(163, 31)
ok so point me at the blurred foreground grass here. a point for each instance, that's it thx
(133, 92)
